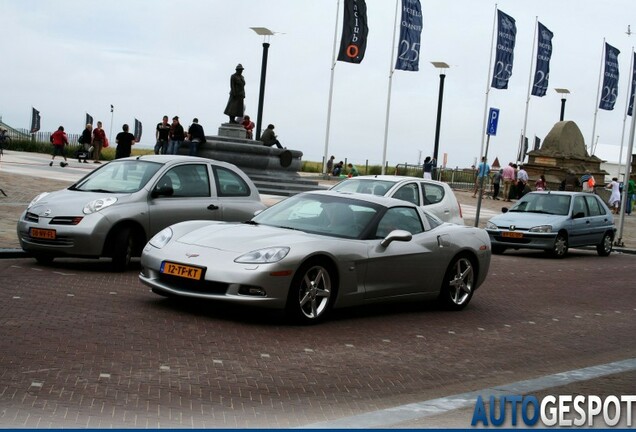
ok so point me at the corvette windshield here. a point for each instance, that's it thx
(320, 214)
(118, 177)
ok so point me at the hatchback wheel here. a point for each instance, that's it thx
(605, 247)
(458, 285)
(122, 250)
(560, 248)
(311, 293)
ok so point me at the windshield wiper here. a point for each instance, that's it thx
(97, 190)
(250, 222)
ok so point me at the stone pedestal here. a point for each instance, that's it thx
(563, 151)
(232, 130)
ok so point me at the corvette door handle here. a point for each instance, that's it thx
(213, 207)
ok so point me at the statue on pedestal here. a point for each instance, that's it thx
(235, 105)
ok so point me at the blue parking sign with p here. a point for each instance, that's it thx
(493, 119)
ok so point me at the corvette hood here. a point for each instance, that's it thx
(240, 238)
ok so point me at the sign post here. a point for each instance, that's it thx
(491, 130)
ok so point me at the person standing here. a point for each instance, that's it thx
(483, 170)
(59, 140)
(163, 130)
(125, 140)
(615, 197)
(235, 106)
(508, 180)
(99, 138)
(540, 184)
(428, 167)
(196, 135)
(330, 164)
(496, 183)
(85, 140)
(248, 124)
(522, 181)
(269, 138)
(176, 136)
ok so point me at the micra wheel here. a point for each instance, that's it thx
(560, 248)
(122, 249)
(312, 293)
(43, 259)
(605, 247)
(459, 283)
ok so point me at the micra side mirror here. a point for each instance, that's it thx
(162, 191)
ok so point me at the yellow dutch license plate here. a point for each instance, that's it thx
(181, 270)
(512, 234)
(48, 234)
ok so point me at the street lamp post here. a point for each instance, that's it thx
(442, 69)
(266, 33)
(563, 92)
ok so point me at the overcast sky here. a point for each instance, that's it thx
(154, 57)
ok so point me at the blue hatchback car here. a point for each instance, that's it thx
(554, 221)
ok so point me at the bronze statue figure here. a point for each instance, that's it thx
(235, 106)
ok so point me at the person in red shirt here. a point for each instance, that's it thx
(249, 127)
(99, 138)
(59, 140)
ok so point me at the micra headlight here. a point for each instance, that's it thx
(37, 198)
(263, 256)
(161, 238)
(541, 229)
(99, 204)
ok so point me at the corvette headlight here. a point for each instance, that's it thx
(491, 226)
(541, 229)
(37, 198)
(99, 204)
(161, 238)
(263, 256)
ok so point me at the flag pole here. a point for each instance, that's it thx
(598, 94)
(629, 93)
(388, 102)
(488, 79)
(110, 134)
(530, 75)
(333, 68)
(628, 166)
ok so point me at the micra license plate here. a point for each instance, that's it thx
(39, 233)
(181, 270)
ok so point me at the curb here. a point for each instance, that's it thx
(13, 253)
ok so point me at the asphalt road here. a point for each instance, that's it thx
(83, 347)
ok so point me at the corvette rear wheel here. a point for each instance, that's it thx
(311, 293)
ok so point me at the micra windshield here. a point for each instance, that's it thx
(119, 177)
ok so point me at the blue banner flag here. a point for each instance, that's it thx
(506, 34)
(610, 78)
(35, 120)
(138, 130)
(544, 53)
(631, 97)
(354, 32)
(410, 32)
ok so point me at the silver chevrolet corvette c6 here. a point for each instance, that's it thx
(320, 250)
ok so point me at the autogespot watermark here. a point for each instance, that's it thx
(559, 410)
